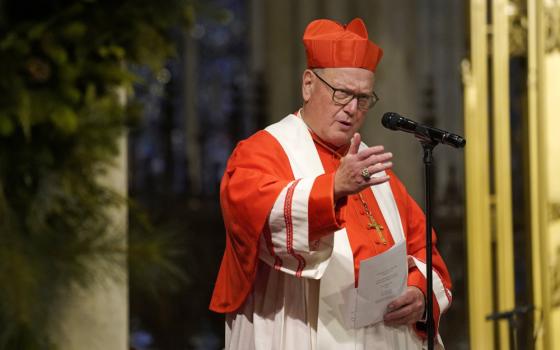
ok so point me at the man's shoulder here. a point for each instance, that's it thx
(261, 145)
(261, 152)
(262, 139)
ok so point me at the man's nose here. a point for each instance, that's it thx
(352, 106)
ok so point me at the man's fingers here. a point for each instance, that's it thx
(370, 151)
(355, 144)
(378, 180)
(404, 313)
(378, 158)
(401, 301)
(403, 310)
(412, 298)
(376, 168)
(379, 167)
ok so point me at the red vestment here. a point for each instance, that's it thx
(257, 173)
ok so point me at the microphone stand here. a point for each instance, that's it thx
(429, 137)
(511, 317)
(428, 144)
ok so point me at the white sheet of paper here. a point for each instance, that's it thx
(382, 279)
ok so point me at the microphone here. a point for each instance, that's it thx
(510, 313)
(394, 121)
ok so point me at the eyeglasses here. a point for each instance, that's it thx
(344, 97)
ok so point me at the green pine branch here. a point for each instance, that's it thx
(61, 63)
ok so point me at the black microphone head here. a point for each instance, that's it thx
(454, 140)
(390, 120)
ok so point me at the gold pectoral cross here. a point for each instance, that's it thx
(372, 223)
(378, 228)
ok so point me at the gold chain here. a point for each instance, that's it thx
(372, 223)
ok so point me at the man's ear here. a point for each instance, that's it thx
(307, 85)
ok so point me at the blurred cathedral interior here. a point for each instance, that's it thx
(485, 69)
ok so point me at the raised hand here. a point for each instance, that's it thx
(350, 176)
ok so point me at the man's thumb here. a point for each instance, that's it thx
(354, 144)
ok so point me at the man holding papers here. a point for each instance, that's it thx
(324, 246)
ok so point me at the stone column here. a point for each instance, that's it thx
(97, 318)
(282, 73)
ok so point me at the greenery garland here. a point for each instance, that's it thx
(62, 63)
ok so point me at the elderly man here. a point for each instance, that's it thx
(304, 202)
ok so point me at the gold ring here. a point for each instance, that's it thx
(365, 174)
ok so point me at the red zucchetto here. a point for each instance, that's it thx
(329, 44)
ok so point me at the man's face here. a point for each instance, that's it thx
(332, 122)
